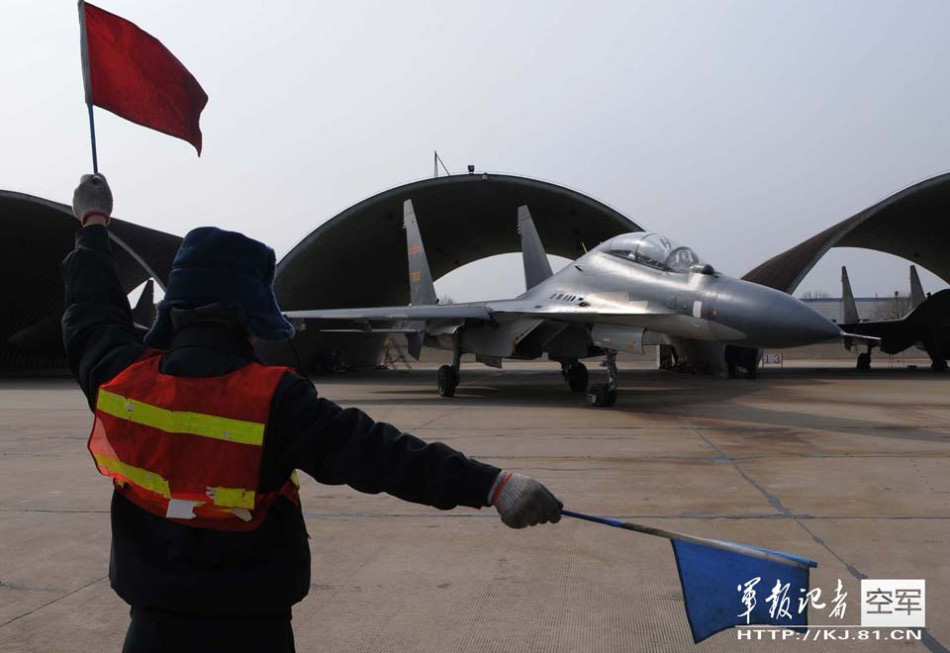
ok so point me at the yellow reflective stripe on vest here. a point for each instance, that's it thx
(137, 476)
(170, 421)
(226, 497)
(222, 497)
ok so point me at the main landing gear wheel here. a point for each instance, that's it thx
(577, 377)
(448, 381)
(602, 395)
(864, 361)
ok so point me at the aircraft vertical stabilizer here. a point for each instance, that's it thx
(144, 311)
(917, 296)
(849, 310)
(537, 268)
(421, 288)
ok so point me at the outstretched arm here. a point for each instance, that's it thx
(345, 446)
(98, 334)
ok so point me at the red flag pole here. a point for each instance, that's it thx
(87, 82)
(92, 137)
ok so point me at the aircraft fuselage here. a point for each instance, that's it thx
(692, 303)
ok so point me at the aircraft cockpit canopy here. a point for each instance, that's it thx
(653, 250)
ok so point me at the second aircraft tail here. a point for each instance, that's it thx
(917, 296)
(849, 309)
(144, 311)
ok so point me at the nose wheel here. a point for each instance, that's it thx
(601, 395)
(604, 395)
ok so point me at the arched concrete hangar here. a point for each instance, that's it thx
(358, 257)
(37, 236)
(913, 223)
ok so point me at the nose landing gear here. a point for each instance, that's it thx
(605, 395)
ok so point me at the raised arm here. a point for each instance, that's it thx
(98, 334)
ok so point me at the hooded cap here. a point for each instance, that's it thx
(224, 267)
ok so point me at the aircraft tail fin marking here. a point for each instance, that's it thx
(421, 288)
(917, 296)
(849, 309)
(144, 311)
(537, 268)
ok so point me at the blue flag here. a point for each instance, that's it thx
(726, 588)
(726, 584)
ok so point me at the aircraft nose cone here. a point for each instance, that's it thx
(770, 318)
(803, 325)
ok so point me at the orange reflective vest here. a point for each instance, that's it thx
(188, 449)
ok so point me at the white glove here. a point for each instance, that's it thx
(522, 501)
(92, 197)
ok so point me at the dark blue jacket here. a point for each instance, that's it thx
(156, 563)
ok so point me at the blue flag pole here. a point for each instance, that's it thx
(726, 584)
(723, 545)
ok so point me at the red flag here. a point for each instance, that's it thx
(130, 73)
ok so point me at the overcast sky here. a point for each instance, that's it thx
(740, 128)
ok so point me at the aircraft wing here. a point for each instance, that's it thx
(475, 311)
(627, 313)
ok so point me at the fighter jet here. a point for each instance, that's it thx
(926, 326)
(634, 289)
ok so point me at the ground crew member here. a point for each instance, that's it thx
(202, 442)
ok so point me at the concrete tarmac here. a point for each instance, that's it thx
(845, 468)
